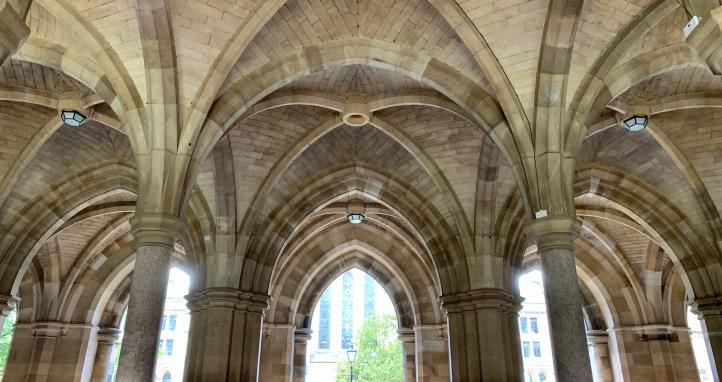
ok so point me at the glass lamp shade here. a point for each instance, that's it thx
(355, 218)
(73, 118)
(351, 354)
(635, 122)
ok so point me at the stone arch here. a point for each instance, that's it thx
(301, 281)
(662, 221)
(47, 218)
(241, 96)
(421, 224)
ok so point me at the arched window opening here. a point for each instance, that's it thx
(354, 310)
(6, 337)
(542, 377)
(173, 339)
(534, 328)
(699, 347)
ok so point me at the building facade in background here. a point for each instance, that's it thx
(338, 316)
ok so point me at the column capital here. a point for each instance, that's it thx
(483, 298)
(45, 329)
(156, 229)
(108, 336)
(228, 298)
(707, 307)
(597, 337)
(406, 335)
(302, 335)
(553, 232)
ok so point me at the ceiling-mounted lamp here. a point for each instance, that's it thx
(355, 210)
(636, 118)
(635, 122)
(71, 109)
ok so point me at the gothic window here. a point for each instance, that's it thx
(324, 323)
(347, 311)
(542, 377)
(166, 377)
(369, 296)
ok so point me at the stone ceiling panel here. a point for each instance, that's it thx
(452, 142)
(513, 30)
(261, 141)
(412, 24)
(599, 24)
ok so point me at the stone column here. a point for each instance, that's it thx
(432, 353)
(155, 237)
(484, 342)
(106, 338)
(554, 237)
(226, 335)
(300, 343)
(408, 346)
(709, 311)
(599, 343)
(277, 353)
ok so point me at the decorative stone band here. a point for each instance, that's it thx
(228, 298)
(480, 299)
(406, 335)
(302, 335)
(156, 230)
(707, 307)
(553, 232)
(108, 336)
(50, 329)
(646, 333)
(597, 337)
(7, 304)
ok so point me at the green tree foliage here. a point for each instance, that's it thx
(6, 336)
(379, 356)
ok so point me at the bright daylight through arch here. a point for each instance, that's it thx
(354, 310)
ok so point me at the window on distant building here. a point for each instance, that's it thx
(525, 347)
(160, 345)
(171, 322)
(347, 311)
(166, 377)
(523, 324)
(162, 323)
(369, 296)
(534, 326)
(537, 349)
(529, 378)
(324, 323)
(542, 377)
(169, 347)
